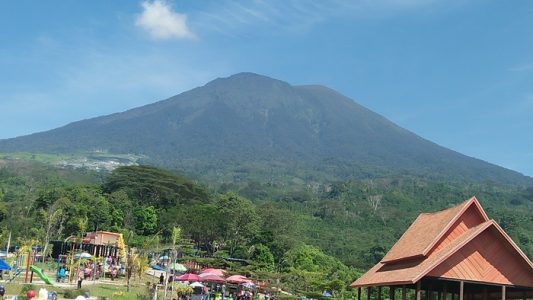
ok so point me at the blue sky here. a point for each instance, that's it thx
(459, 73)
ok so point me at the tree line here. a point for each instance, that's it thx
(309, 239)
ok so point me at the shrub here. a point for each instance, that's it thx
(72, 294)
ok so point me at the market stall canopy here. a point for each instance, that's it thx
(188, 277)
(196, 284)
(178, 267)
(211, 278)
(238, 279)
(218, 272)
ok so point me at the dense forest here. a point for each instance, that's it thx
(319, 235)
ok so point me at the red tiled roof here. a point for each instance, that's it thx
(425, 232)
(410, 271)
(412, 257)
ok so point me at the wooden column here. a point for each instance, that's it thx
(27, 267)
(392, 293)
(368, 293)
(485, 293)
(359, 293)
(404, 293)
(461, 290)
(503, 292)
(444, 291)
(379, 293)
(418, 292)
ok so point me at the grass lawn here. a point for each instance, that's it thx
(100, 289)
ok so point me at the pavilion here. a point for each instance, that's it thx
(456, 254)
(99, 244)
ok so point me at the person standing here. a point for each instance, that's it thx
(81, 274)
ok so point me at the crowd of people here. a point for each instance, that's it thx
(212, 292)
(90, 271)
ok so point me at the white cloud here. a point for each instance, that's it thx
(162, 23)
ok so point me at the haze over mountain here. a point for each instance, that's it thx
(250, 124)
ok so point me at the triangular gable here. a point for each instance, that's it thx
(470, 216)
(431, 230)
(491, 256)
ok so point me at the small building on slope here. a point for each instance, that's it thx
(454, 254)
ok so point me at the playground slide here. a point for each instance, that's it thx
(40, 273)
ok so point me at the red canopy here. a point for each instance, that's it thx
(188, 277)
(238, 279)
(218, 272)
(211, 277)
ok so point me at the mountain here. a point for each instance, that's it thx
(252, 126)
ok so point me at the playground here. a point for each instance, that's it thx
(83, 276)
(62, 279)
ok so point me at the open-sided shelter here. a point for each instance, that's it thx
(456, 254)
(98, 243)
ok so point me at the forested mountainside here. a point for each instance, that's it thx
(354, 221)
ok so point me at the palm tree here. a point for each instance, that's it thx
(137, 264)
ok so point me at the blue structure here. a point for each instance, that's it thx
(4, 266)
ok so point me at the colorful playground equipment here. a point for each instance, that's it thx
(41, 275)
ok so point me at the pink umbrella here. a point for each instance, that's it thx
(218, 272)
(237, 279)
(211, 277)
(188, 277)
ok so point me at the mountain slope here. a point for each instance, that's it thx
(248, 123)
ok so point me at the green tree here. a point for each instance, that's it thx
(99, 213)
(3, 211)
(262, 256)
(121, 211)
(239, 221)
(202, 223)
(145, 220)
(315, 270)
(156, 187)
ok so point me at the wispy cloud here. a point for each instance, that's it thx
(162, 22)
(294, 16)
